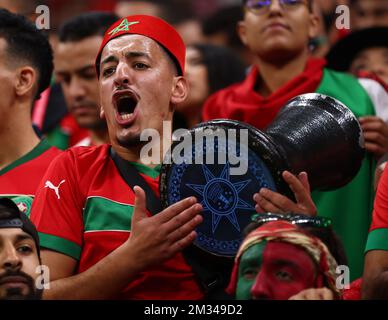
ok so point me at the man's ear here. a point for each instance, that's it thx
(26, 81)
(242, 31)
(102, 113)
(313, 26)
(180, 90)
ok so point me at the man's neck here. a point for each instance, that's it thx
(275, 75)
(17, 138)
(99, 136)
(193, 117)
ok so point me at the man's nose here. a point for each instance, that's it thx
(122, 74)
(76, 89)
(10, 258)
(261, 288)
(275, 6)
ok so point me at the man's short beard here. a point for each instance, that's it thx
(16, 293)
(97, 125)
(131, 142)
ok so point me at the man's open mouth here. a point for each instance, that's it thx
(125, 104)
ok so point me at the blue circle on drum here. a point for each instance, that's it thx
(227, 199)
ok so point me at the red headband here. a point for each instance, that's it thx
(151, 27)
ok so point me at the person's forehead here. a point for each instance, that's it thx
(285, 252)
(373, 52)
(89, 44)
(13, 234)
(76, 52)
(254, 253)
(131, 42)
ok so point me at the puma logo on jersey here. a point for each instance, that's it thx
(50, 185)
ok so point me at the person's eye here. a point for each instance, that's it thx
(140, 66)
(108, 71)
(25, 249)
(283, 275)
(250, 274)
(360, 67)
(90, 75)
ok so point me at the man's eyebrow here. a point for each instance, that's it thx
(85, 68)
(109, 59)
(286, 263)
(136, 54)
(24, 236)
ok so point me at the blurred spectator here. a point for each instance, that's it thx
(79, 41)
(375, 278)
(25, 8)
(278, 33)
(186, 23)
(19, 254)
(362, 50)
(320, 45)
(25, 72)
(209, 68)
(125, 8)
(221, 29)
(368, 13)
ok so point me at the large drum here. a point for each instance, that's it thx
(224, 163)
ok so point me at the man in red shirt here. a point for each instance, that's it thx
(25, 71)
(100, 242)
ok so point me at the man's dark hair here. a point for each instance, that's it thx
(12, 217)
(225, 21)
(86, 25)
(224, 67)
(27, 44)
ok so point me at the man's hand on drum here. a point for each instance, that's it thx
(270, 201)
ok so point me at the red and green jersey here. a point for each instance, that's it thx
(378, 233)
(83, 209)
(349, 207)
(20, 179)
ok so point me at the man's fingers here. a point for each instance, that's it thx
(369, 119)
(301, 194)
(183, 218)
(272, 201)
(183, 231)
(374, 148)
(176, 208)
(326, 294)
(374, 136)
(372, 125)
(178, 246)
(140, 210)
(304, 179)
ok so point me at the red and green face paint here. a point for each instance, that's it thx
(275, 270)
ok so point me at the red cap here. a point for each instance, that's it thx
(151, 27)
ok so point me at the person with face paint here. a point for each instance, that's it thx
(19, 254)
(280, 261)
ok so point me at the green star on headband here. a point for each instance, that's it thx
(123, 26)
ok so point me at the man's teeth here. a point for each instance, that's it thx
(126, 116)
